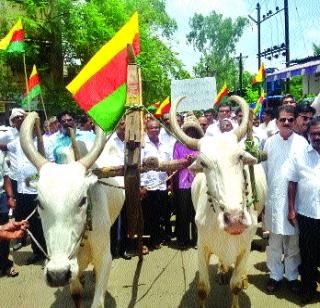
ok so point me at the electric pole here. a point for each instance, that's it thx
(240, 58)
(273, 51)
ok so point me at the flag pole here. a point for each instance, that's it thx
(26, 77)
(43, 106)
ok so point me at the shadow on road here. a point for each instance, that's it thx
(219, 296)
(260, 282)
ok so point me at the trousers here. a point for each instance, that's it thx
(283, 248)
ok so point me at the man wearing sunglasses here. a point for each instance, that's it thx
(283, 239)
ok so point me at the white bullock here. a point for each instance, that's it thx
(64, 193)
(225, 216)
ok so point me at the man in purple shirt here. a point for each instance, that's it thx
(185, 212)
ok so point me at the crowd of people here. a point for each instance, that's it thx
(290, 134)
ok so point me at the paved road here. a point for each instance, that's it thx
(166, 278)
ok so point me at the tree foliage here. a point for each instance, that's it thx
(62, 35)
(215, 37)
(316, 49)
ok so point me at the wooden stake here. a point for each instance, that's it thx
(133, 136)
(43, 106)
(26, 76)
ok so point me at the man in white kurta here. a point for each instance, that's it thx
(283, 240)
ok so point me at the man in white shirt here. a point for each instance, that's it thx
(165, 132)
(154, 187)
(27, 199)
(304, 208)
(15, 120)
(283, 239)
(113, 155)
(6, 201)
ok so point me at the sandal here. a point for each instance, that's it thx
(12, 272)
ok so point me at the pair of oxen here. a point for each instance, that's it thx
(220, 193)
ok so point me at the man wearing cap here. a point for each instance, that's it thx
(15, 120)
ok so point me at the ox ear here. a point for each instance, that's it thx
(91, 179)
(248, 159)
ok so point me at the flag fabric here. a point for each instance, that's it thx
(163, 108)
(34, 88)
(259, 103)
(260, 76)
(100, 87)
(153, 107)
(14, 40)
(222, 93)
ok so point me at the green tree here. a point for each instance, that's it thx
(316, 49)
(63, 33)
(215, 37)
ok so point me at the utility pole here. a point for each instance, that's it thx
(240, 58)
(287, 42)
(240, 73)
(273, 51)
(286, 27)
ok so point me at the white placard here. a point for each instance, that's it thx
(200, 93)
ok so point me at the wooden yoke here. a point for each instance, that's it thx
(133, 136)
(251, 167)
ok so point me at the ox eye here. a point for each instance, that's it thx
(83, 201)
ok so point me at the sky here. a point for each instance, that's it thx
(304, 28)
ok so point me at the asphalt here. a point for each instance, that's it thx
(166, 278)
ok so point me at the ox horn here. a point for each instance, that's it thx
(242, 129)
(26, 140)
(96, 150)
(191, 143)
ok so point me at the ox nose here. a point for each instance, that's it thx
(234, 223)
(233, 218)
(58, 278)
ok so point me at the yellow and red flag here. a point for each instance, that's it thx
(34, 88)
(100, 88)
(260, 76)
(14, 40)
(222, 93)
(163, 108)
